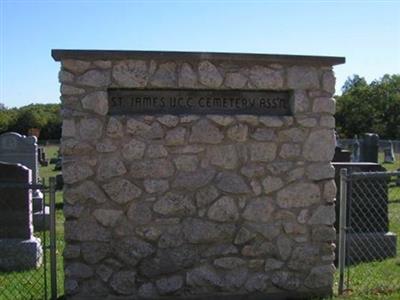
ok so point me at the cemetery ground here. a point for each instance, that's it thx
(384, 271)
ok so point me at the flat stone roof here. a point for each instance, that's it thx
(62, 54)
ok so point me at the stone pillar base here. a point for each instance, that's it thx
(17, 254)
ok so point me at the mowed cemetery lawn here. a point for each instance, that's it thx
(29, 284)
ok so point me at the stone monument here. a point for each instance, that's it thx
(197, 175)
(19, 249)
(20, 149)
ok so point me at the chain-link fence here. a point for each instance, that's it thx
(27, 264)
(369, 233)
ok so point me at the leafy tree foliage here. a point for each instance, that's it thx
(46, 117)
(373, 107)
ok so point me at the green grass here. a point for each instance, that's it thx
(379, 280)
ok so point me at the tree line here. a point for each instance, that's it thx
(361, 108)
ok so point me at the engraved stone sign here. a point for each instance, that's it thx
(157, 101)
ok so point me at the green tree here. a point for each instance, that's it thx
(373, 107)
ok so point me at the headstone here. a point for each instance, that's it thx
(19, 249)
(20, 149)
(388, 154)
(369, 148)
(355, 155)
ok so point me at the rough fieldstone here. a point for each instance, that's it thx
(187, 77)
(252, 170)
(165, 76)
(153, 132)
(134, 149)
(320, 171)
(131, 73)
(186, 163)
(232, 183)
(259, 248)
(68, 128)
(257, 282)
(303, 257)
(96, 102)
(168, 120)
(169, 285)
(173, 203)
(114, 128)
(323, 234)
(171, 237)
(93, 231)
(298, 195)
(264, 134)
(68, 90)
(243, 236)
(224, 156)
(262, 152)
(256, 187)
(284, 245)
(209, 75)
(187, 119)
(131, 250)
(104, 272)
(121, 190)
(156, 168)
(220, 250)
(273, 264)
(259, 210)
(205, 132)
(206, 195)
(268, 231)
(295, 174)
(328, 82)
(193, 180)
(271, 121)
(321, 276)
(156, 185)
(301, 101)
(110, 167)
(289, 151)
(272, 184)
(234, 279)
(327, 121)
(156, 151)
(324, 105)
(189, 149)
(320, 145)
(203, 276)
(303, 216)
(175, 136)
(235, 80)
(295, 135)
(266, 78)
(88, 190)
(107, 217)
(102, 64)
(139, 213)
(256, 264)
(252, 120)
(75, 66)
(221, 119)
(329, 193)
(306, 121)
(94, 78)
(93, 252)
(147, 291)
(198, 231)
(324, 215)
(287, 280)
(90, 129)
(78, 270)
(279, 167)
(303, 77)
(238, 132)
(223, 210)
(106, 146)
(75, 172)
(229, 263)
(123, 282)
(134, 126)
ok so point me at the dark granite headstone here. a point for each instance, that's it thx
(369, 148)
(15, 202)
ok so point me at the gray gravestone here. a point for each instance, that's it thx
(355, 155)
(389, 154)
(20, 149)
(19, 249)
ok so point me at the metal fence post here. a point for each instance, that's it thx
(53, 259)
(342, 228)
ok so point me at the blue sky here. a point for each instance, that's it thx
(366, 32)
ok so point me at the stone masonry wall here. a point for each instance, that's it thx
(168, 205)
